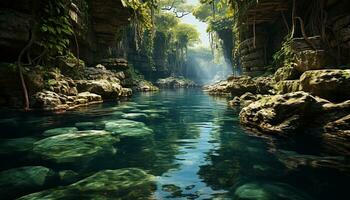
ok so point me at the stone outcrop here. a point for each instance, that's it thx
(237, 86)
(51, 101)
(283, 87)
(286, 73)
(332, 84)
(312, 60)
(281, 114)
(175, 82)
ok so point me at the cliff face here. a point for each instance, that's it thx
(321, 29)
(96, 26)
(64, 83)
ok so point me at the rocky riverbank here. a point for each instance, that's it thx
(70, 85)
(315, 103)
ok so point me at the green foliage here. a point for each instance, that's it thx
(55, 28)
(165, 22)
(285, 56)
(202, 12)
(142, 11)
(185, 35)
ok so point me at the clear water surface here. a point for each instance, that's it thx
(198, 150)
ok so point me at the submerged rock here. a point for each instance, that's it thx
(268, 191)
(331, 84)
(281, 113)
(16, 146)
(82, 126)
(68, 176)
(128, 129)
(59, 131)
(76, 148)
(135, 116)
(18, 181)
(129, 183)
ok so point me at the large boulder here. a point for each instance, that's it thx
(283, 87)
(238, 85)
(331, 84)
(115, 64)
(51, 101)
(286, 73)
(23, 180)
(281, 114)
(124, 184)
(77, 149)
(268, 191)
(337, 135)
(129, 129)
(312, 60)
(107, 89)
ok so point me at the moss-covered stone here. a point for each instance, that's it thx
(286, 73)
(123, 184)
(76, 148)
(18, 181)
(128, 129)
(268, 191)
(283, 87)
(59, 131)
(331, 84)
(281, 114)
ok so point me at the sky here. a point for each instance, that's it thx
(200, 26)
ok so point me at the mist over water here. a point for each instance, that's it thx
(203, 68)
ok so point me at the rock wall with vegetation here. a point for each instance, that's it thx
(62, 54)
(294, 57)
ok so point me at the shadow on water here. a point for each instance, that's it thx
(197, 150)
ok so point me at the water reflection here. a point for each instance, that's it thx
(196, 149)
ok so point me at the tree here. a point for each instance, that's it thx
(179, 8)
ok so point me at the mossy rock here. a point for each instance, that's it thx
(128, 129)
(268, 191)
(123, 184)
(22, 180)
(331, 84)
(59, 131)
(76, 148)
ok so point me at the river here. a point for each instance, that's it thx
(198, 150)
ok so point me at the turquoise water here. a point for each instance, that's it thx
(198, 150)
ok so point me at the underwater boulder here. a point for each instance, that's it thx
(268, 191)
(128, 129)
(23, 180)
(16, 145)
(59, 131)
(135, 116)
(128, 183)
(76, 148)
(82, 126)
